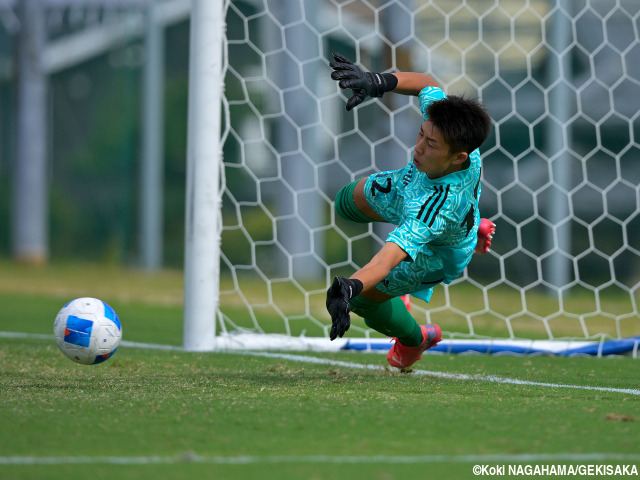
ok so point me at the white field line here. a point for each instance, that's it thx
(191, 457)
(452, 376)
(362, 366)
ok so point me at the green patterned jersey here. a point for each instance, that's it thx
(436, 219)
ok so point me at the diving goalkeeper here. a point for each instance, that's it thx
(432, 201)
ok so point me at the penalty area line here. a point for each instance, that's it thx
(191, 457)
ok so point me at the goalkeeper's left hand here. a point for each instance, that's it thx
(340, 292)
(362, 84)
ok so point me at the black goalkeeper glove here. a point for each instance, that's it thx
(363, 84)
(340, 292)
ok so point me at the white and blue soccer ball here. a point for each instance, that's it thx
(87, 330)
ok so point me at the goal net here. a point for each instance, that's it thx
(561, 80)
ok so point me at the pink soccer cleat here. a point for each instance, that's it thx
(401, 356)
(485, 233)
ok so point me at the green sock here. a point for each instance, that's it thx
(389, 318)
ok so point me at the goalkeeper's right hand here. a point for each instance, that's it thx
(340, 292)
(362, 84)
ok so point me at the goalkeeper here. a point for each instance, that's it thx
(432, 201)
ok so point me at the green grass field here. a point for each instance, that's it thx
(149, 413)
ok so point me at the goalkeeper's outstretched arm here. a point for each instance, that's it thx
(410, 83)
(365, 84)
(342, 290)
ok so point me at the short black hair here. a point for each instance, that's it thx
(463, 122)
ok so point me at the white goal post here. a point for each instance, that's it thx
(204, 155)
(561, 80)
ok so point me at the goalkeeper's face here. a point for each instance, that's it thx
(433, 156)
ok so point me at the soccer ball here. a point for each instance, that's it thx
(87, 330)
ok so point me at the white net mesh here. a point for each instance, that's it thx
(562, 83)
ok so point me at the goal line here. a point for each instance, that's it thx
(598, 346)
